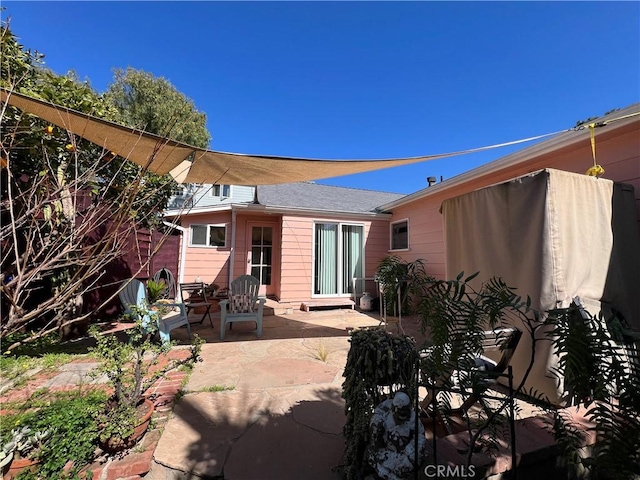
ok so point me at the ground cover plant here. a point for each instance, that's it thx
(70, 420)
(75, 420)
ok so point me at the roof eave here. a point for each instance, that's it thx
(561, 140)
(272, 210)
(269, 209)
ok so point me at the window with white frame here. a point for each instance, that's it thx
(338, 257)
(400, 235)
(179, 191)
(221, 191)
(208, 235)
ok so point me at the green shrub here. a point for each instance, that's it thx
(128, 365)
(71, 420)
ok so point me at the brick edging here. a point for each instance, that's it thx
(136, 464)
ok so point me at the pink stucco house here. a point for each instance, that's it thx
(536, 220)
(306, 241)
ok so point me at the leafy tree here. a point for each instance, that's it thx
(154, 105)
(68, 207)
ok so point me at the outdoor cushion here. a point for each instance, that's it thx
(241, 303)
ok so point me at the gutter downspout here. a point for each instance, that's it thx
(232, 254)
(183, 249)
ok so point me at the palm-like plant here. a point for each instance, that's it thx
(155, 290)
(456, 315)
(410, 278)
(600, 365)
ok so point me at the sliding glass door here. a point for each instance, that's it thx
(338, 257)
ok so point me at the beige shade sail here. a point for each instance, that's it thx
(188, 164)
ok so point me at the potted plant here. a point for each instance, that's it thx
(379, 364)
(21, 452)
(155, 290)
(128, 363)
(410, 278)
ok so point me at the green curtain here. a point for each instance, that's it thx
(326, 259)
(352, 240)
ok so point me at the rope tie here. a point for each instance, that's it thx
(596, 170)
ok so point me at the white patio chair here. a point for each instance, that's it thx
(243, 304)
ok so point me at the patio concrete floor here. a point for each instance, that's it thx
(270, 408)
(278, 413)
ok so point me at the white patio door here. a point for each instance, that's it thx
(338, 257)
(261, 256)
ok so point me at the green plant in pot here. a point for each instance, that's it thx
(155, 290)
(392, 274)
(131, 366)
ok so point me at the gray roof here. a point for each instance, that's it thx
(313, 196)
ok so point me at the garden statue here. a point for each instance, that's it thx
(391, 451)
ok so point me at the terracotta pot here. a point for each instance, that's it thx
(18, 465)
(116, 444)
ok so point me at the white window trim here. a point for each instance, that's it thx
(391, 249)
(313, 256)
(208, 225)
(182, 191)
(221, 196)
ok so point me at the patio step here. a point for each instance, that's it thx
(272, 307)
(327, 303)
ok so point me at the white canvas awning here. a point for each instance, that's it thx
(553, 235)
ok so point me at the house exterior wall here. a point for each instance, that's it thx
(297, 257)
(617, 151)
(297, 252)
(293, 250)
(211, 264)
(426, 235)
(201, 195)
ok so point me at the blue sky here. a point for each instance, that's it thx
(363, 80)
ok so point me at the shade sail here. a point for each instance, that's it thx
(188, 164)
(158, 154)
